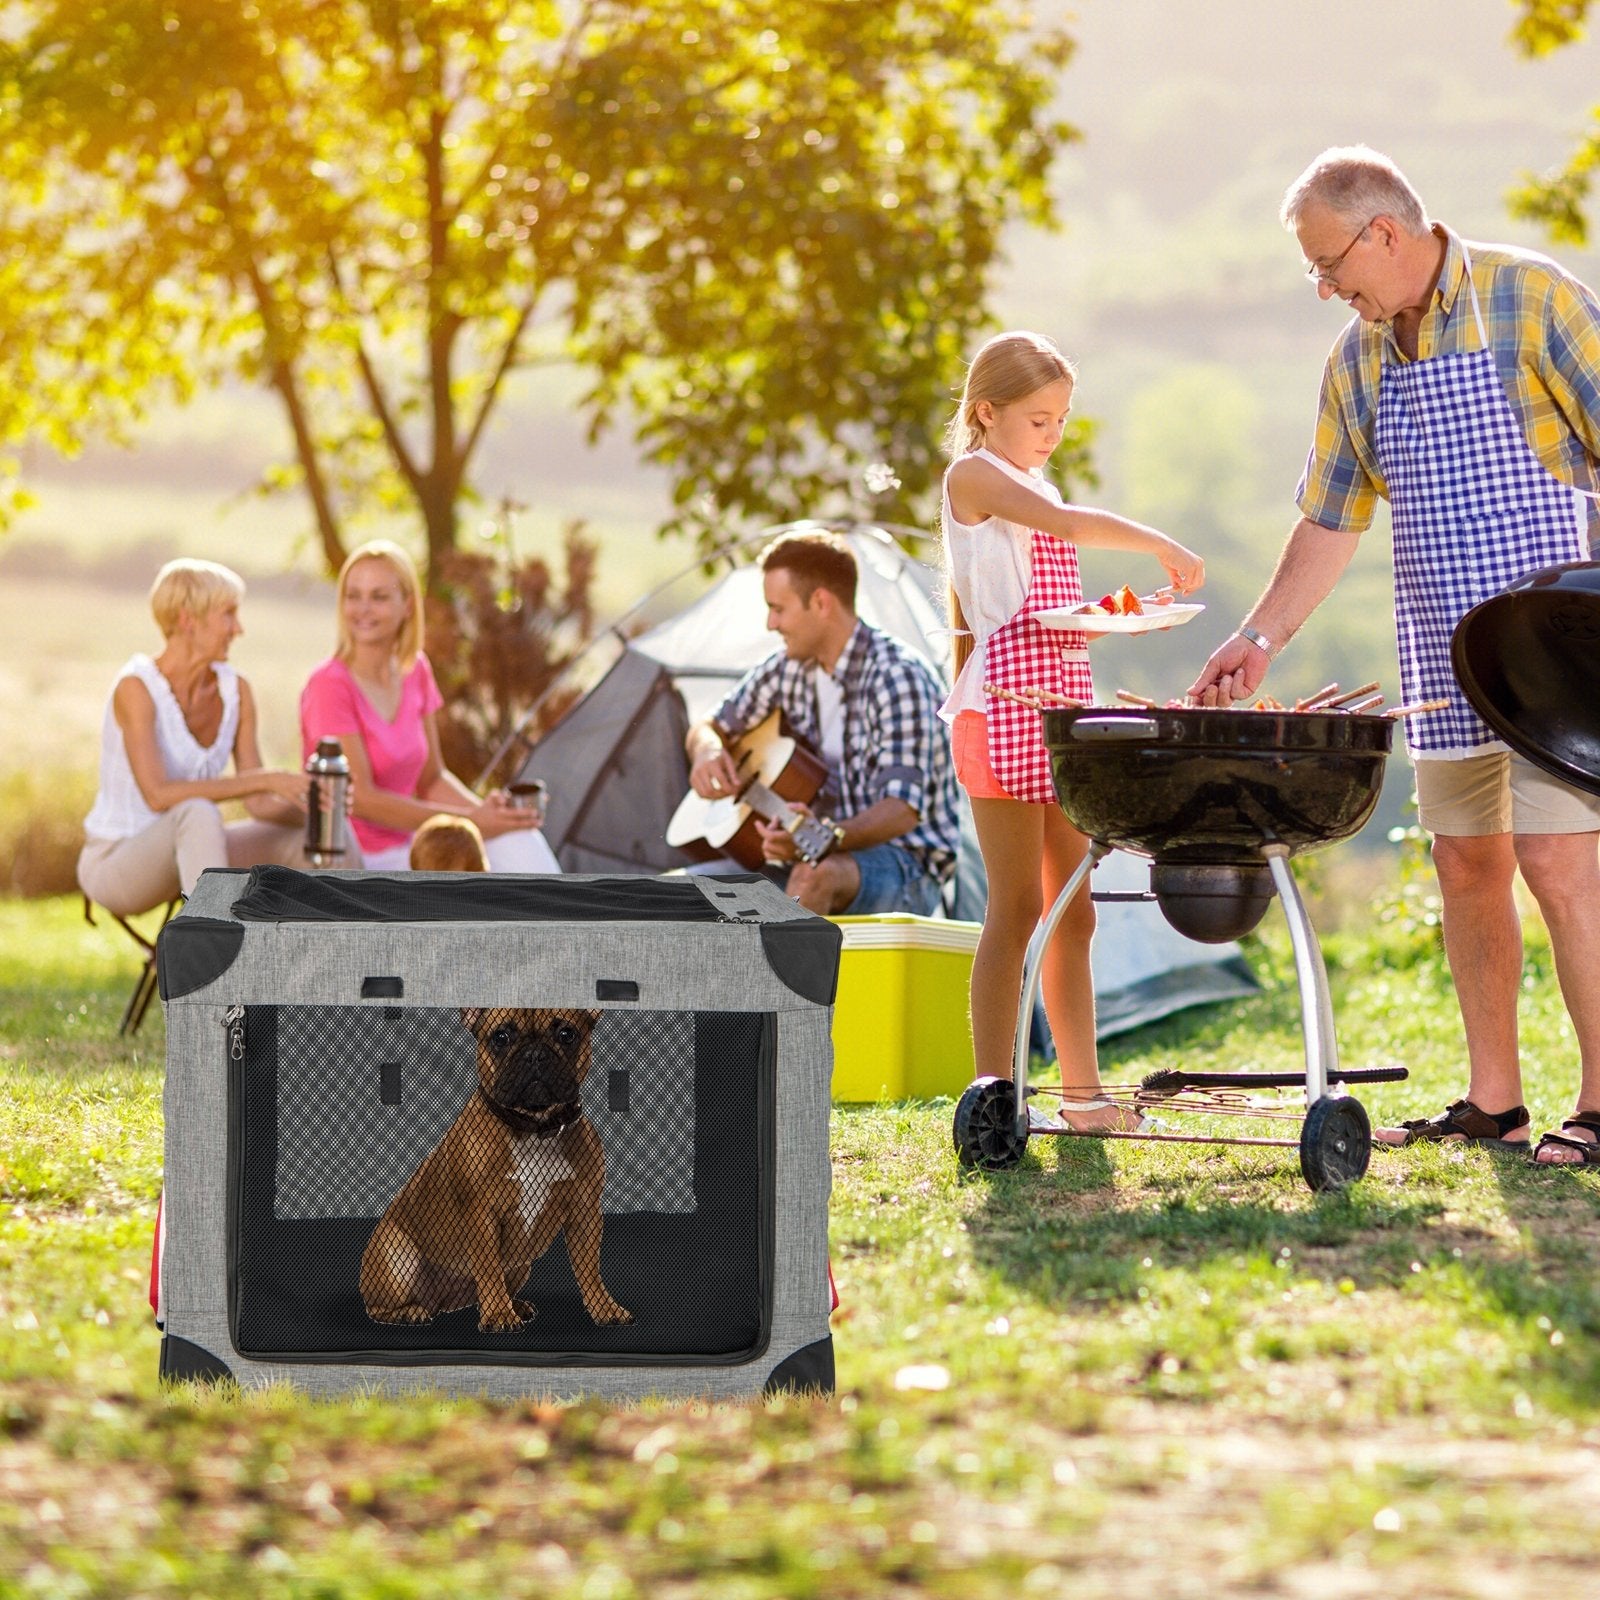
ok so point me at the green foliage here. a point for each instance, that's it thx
(1557, 200)
(765, 231)
(1546, 25)
(41, 829)
(1408, 920)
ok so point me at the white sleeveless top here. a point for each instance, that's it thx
(119, 809)
(990, 563)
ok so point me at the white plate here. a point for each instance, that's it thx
(1086, 619)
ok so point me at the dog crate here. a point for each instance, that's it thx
(518, 1135)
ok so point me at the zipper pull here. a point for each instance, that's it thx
(233, 1021)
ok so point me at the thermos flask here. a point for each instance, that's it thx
(325, 823)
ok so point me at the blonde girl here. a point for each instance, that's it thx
(1010, 546)
(377, 695)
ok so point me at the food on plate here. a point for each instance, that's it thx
(1124, 603)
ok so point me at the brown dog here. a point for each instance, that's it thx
(520, 1164)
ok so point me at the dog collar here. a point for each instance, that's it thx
(544, 1124)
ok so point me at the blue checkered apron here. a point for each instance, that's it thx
(1473, 509)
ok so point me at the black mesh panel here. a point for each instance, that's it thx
(501, 1185)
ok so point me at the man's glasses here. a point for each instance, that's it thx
(1324, 272)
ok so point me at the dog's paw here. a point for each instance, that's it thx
(524, 1310)
(400, 1316)
(611, 1315)
(506, 1321)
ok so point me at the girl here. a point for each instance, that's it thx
(1010, 551)
(377, 695)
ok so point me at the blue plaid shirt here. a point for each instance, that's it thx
(895, 746)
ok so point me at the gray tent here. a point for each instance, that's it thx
(616, 769)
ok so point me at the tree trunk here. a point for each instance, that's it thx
(438, 499)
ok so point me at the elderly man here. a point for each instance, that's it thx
(867, 704)
(1466, 391)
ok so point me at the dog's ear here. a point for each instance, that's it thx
(471, 1016)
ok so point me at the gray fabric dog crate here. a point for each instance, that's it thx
(519, 1135)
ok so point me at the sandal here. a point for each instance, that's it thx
(1143, 1125)
(1461, 1122)
(1589, 1147)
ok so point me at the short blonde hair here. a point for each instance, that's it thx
(1357, 184)
(197, 587)
(1009, 367)
(447, 843)
(409, 646)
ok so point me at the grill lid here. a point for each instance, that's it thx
(1529, 661)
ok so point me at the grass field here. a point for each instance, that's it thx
(1118, 1370)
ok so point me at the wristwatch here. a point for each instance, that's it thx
(1259, 640)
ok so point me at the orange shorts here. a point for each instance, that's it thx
(969, 745)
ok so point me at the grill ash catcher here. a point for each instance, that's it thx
(1219, 801)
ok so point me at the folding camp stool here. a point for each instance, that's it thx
(144, 987)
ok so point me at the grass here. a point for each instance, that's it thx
(1118, 1369)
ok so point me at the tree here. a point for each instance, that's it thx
(1557, 200)
(764, 229)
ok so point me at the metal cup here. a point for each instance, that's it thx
(528, 796)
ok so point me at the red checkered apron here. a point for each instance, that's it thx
(1024, 654)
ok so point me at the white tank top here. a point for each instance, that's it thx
(119, 809)
(991, 565)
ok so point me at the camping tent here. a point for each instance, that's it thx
(616, 769)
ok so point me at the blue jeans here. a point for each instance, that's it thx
(892, 879)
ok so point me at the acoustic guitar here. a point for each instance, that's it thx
(775, 771)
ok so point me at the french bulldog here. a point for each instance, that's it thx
(519, 1165)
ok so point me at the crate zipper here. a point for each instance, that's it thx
(233, 1021)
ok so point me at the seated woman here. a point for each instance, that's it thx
(377, 695)
(172, 727)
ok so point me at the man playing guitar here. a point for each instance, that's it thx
(868, 704)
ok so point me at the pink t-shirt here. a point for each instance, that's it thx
(332, 704)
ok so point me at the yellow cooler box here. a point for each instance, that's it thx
(900, 1019)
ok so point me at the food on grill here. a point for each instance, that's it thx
(1365, 701)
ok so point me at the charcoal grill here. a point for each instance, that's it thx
(1219, 801)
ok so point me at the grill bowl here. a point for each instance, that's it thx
(1204, 789)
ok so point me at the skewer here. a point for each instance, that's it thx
(1006, 694)
(1133, 699)
(1370, 704)
(1312, 701)
(1419, 706)
(1353, 694)
(1034, 697)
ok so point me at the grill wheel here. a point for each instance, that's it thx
(986, 1126)
(1335, 1142)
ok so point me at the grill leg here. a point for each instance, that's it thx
(1316, 1005)
(1030, 974)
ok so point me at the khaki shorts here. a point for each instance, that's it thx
(1499, 793)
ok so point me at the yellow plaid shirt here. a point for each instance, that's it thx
(1544, 329)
